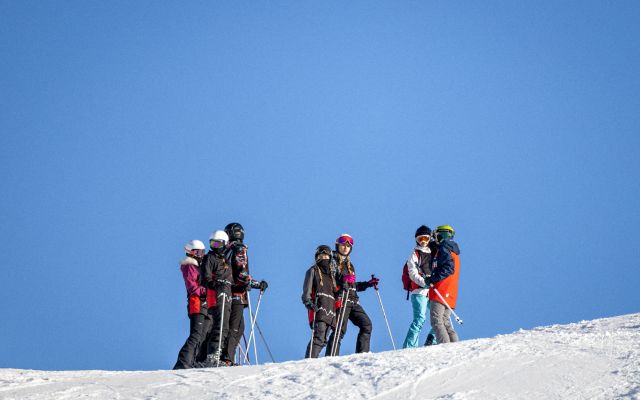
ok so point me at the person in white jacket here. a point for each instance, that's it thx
(419, 268)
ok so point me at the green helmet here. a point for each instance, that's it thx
(445, 232)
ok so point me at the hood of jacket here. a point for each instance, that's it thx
(450, 245)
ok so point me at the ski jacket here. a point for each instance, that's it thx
(242, 281)
(217, 277)
(445, 271)
(343, 267)
(319, 288)
(196, 292)
(418, 266)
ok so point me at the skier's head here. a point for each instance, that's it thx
(344, 244)
(235, 232)
(195, 249)
(444, 232)
(323, 252)
(218, 241)
(423, 235)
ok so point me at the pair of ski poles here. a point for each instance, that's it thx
(254, 326)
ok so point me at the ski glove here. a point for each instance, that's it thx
(263, 285)
(427, 281)
(373, 282)
(311, 306)
(349, 279)
(338, 304)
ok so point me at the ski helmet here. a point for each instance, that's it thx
(322, 249)
(423, 230)
(218, 239)
(235, 231)
(444, 232)
(194, 248)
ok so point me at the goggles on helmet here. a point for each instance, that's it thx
(345, 239)
(217, 244)
(197, 253)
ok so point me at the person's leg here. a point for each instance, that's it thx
(188, 352)
(319, 339)
(206, 337)
(437, 322)
(419, 305)
(453, 336)
(431, 336)
(236, 329)
(360, 319)
(332, 338)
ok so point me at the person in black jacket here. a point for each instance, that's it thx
(348, 300)
(218, 279)
(318, 296)
(237, 257)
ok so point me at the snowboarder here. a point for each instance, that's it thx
(350, 308)
(419, 268)
(444, 279)
(318, 296)
(236, 255)
(199, 319)
(218, 278)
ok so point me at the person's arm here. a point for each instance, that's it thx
(307, 287)
(414, 272)
(192, 281)
(444, 266)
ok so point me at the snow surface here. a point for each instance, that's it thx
(597, 359)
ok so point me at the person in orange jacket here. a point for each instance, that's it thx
(444, 279)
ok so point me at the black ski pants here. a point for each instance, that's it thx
(219, 329)
(236, 330)
(319, 339)
(356, 314)
(199, 325)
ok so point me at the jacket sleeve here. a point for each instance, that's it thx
(307, 286)
(208, 271)
(412, 267)
(444, 266)
(191, 281)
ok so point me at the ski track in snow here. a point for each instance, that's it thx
(597, 359)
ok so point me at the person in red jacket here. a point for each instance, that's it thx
(444, 279)
(200, 321)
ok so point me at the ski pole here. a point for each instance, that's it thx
(265, 342)
(219, 351)
(458, 319)
(242, 351)
(336, 338)
(313, 328)
(253, 317)
(384, 313)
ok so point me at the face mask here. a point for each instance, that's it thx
(323, 263)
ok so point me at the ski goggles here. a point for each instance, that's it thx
(216, 244)
(197, 252)
(423, 238)
(344, 239)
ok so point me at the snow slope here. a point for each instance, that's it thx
(597, 359)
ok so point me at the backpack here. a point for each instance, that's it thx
(406, 281)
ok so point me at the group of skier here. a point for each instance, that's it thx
(217, 285)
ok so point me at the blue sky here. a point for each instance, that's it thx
(129, 129)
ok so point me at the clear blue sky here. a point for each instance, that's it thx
(128, 129)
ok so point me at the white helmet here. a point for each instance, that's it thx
(219, 235)
(194, 247)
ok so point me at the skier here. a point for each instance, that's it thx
(418, 268)
(318, 296)
(218, 278)
(352, 310)
(236, 255)
(444, 279)
(199, 319)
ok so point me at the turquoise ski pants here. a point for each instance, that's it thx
(420, 306)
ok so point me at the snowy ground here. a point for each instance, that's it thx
(597, 359)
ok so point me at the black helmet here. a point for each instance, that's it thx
(323, 249)
(235, 232)
(423, 231)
